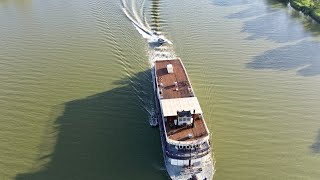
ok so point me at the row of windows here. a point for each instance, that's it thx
(184, 119)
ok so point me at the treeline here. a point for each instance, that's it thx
(308, 7)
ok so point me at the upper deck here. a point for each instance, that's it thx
(176, 95)
(182, 133)
(169, 89)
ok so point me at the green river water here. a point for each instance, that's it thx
(76, 88)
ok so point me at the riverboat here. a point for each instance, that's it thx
(184, 133)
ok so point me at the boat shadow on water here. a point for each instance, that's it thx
(103, 136)
(315, 147)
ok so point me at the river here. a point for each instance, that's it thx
(76, 88)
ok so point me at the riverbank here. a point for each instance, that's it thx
(308, 7)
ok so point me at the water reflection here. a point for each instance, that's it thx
(303, 56)
(104, 136)
(274, 26)
(231, 2)
(253, 11)
(19, 4)
(275, 22)
(315, 148)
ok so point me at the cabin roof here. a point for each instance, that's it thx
(184, 113)
(171, 106)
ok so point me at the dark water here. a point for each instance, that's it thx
(76, 88)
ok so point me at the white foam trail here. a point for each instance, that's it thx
(144, 34)
(139, 21)
(141, 29)
(146, 23)
(141, 8)
(141, 25)
(136, 14)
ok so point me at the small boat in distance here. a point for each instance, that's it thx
(161, 41)
(157, 38)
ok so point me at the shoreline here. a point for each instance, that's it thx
(308, 10)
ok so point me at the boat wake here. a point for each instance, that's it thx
(160, 48)
(158, 167)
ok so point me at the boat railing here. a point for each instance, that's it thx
(177, 143)
(186, 156)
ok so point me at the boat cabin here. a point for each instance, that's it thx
(184, 118)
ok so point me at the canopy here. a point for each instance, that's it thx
(171, 106)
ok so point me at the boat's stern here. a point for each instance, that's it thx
(203, 171)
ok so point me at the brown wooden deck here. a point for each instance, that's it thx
(179, 75)
(181, 133)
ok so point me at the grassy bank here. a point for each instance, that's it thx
(308, 7)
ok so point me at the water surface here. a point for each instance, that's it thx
(76, 88)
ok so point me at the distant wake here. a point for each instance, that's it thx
(134, 10)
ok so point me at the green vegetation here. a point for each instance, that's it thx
(308, 7)
(306, 3)
(317, 11)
